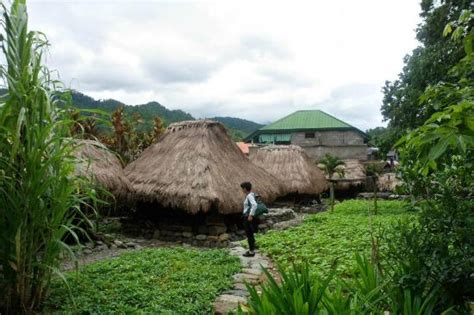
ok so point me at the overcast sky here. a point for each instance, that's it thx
(250, 59)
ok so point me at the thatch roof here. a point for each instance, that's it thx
(354, 171)
(103, 167)
(195, 166)
(388, 182)
(292, 167)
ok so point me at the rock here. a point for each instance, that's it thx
(87, 251)
(201, 237)
(227, 303)
(177, 234)
(213, 238)
(119, 244)
(202, 229)
(242, 293)
(131, 245)
(98, 243)
(233, 228)
(287, 224)
(187, 234)
(224, 237)
(113, 246)
(102, 247)
(156, 234)
(280, 214)
(242, 277)
(251, 271)
(262, 226)
(187, 228)
(175, 228)
(217, 229)
(240, 286)
(240, 232)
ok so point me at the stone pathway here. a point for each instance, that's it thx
(251, 273)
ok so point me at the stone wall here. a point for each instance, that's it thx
(212, 233)
(343, 144)
(328, 138)
(358, 152)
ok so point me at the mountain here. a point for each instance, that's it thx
(148, 111)
(239, 124)
(237, 128)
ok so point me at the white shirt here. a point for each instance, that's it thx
(250, 205)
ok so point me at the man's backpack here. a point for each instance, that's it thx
(261, 207)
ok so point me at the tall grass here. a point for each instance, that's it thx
(38, 190)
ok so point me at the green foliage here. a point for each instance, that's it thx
(39, 194)
(427, 65)
(147, 111)
(238, 128)
(331, 237)
(382, 138)
(331, 165)
(302, 292)
(151, 281)
(438, 168)
(438, 249)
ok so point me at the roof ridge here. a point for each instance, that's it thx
(285, 117)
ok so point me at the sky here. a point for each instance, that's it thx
(256, 60)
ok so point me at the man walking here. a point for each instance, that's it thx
(250, 221)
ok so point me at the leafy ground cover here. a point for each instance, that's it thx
(151, 281)
(332, 238)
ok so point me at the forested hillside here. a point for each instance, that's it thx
(237, 128)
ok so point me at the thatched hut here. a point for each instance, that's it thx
(354, 174)
(388, 182)
(195, 166)
(292, 167)
(104, 168)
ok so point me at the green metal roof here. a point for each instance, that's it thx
(307, 119)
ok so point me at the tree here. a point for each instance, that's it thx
(427, 65)
(330, 165)
(437, 158)
(382, 138)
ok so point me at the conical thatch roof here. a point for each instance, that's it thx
(103, 167)
(292, 167)
(354, 170)
(194, 167)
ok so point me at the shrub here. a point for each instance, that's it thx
(38, 198)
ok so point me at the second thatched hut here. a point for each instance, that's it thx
(292, 167)
(354, 175)
(103, 168)
(197, 168)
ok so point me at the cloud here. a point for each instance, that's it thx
(255, 60)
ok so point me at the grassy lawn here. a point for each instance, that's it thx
(326, 238)
(164, 280)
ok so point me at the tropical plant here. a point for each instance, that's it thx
(38, 190)
(302, 292)
(373, 171)
(331, 165)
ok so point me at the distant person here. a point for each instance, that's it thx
(250, 221)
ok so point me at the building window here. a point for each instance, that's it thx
(309, 135)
